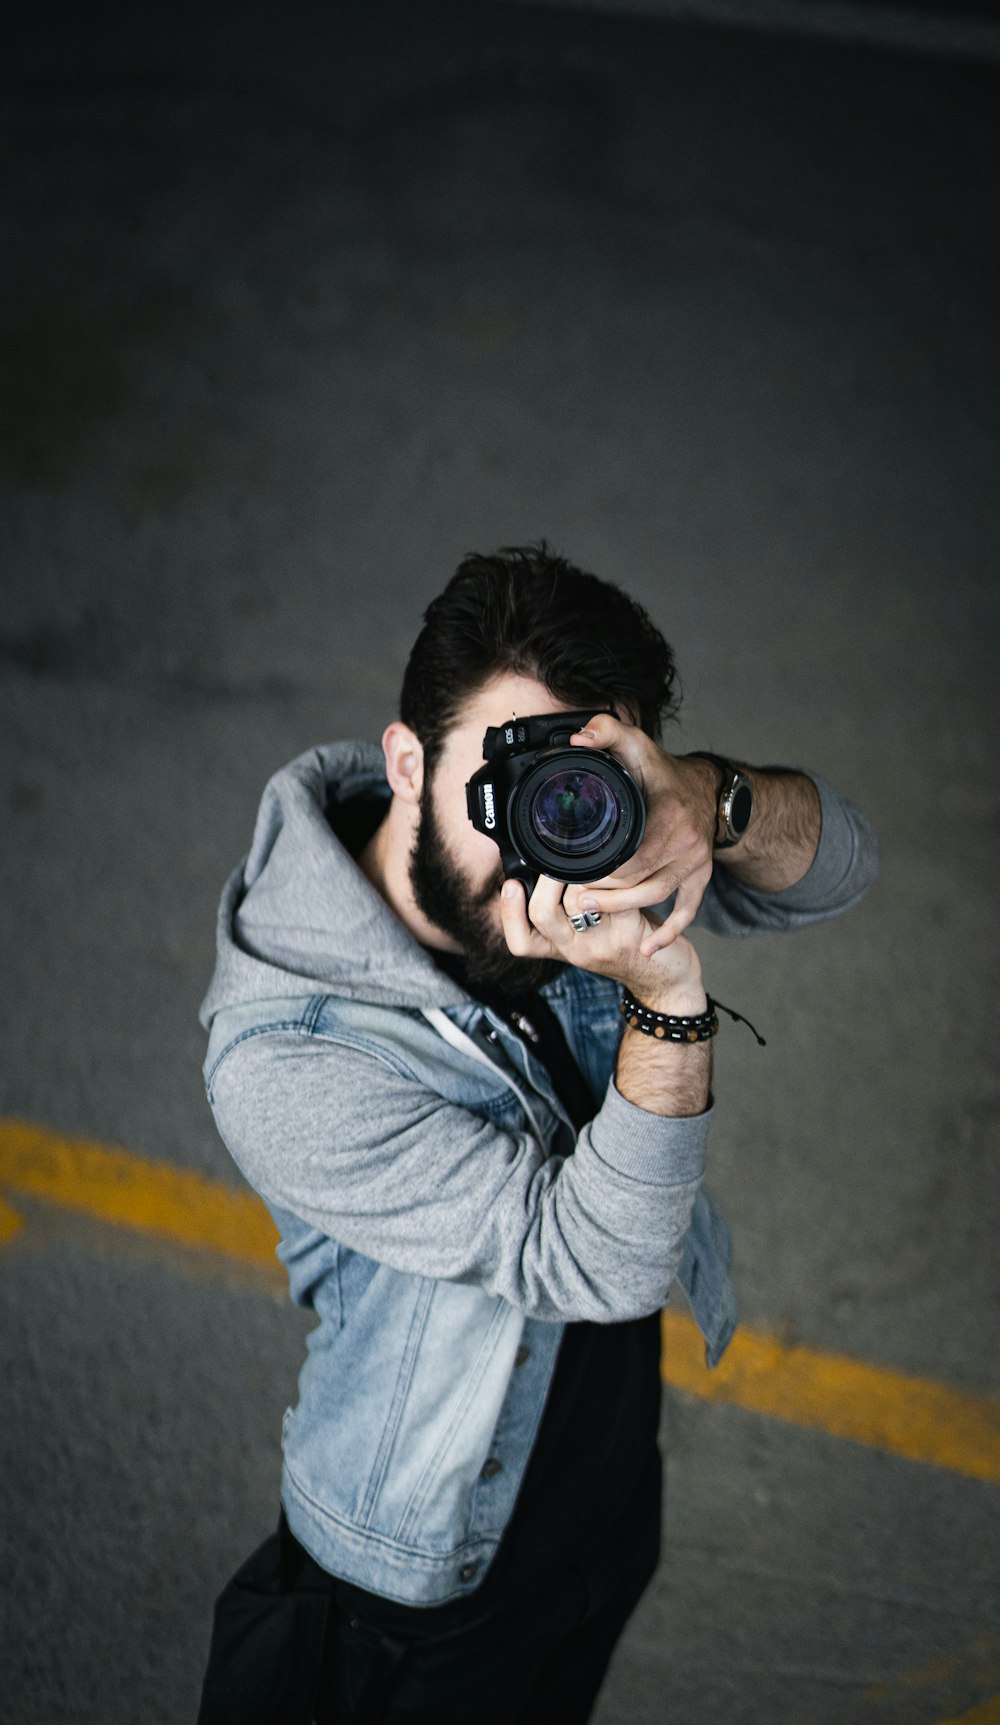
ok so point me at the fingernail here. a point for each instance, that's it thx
(588, 904)
(591, 736)
(509, 889)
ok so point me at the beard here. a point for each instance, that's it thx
(447, 900)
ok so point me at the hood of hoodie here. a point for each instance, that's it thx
(298, 915)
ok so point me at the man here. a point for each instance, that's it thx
(484, 1182)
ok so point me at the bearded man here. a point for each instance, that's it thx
(486, 1176)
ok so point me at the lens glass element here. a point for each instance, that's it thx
(574, 811)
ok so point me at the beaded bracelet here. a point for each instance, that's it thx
(668, 1026)
(673, 1027)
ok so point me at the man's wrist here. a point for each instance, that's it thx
(781, 833)
(682, 1002)
(705, 781)
(658, 985)
(782, 838)
(733, 811)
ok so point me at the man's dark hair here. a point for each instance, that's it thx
(526, 610)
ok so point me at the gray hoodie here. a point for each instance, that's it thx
(338, 1095)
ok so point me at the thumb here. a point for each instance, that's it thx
(604, 731)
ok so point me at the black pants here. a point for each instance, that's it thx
(291, 1646)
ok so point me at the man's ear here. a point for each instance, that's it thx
(404, 761)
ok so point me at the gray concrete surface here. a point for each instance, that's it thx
(298, 306)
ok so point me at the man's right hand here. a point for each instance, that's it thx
(668, 981)
(663, 1077)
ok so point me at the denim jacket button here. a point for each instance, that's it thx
(491, 1468)
(467, 1571)
(522, 1354)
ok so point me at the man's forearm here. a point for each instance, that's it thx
(670, 1078)
(780, 843)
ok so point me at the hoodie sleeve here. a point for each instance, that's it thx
(385, 1166)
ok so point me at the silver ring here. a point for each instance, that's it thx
(585, 919)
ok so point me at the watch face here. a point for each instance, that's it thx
(741, 808)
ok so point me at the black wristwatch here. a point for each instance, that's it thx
(735, 806)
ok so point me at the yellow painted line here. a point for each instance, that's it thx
(988, 1713)
(888, 1410)
(939, 1684)
(908, 1416)
(10, 1222)
(111, 1185)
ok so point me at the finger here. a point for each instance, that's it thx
(605, 732)
(689, 896)
(654, 889)
(522, 940)
(547, 892)
(545, 908)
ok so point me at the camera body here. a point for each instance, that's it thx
(575, 814)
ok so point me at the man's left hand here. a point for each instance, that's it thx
(676, 851)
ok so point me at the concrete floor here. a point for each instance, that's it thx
(299, 305)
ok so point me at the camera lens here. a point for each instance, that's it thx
(572, 814)
(574, 811)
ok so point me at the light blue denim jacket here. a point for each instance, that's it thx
(437, 1210)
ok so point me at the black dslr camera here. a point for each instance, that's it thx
(572, 813)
